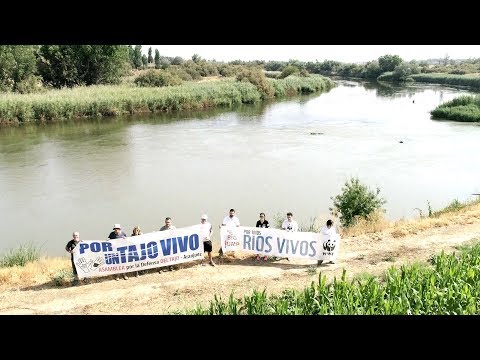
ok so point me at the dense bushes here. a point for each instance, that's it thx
(355, 201)
(157, 78)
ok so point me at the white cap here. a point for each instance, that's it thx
(204, 216)
(116, 226)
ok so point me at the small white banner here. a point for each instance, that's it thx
(280, 243)
(147, 251)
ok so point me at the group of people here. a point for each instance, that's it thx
(289, 224)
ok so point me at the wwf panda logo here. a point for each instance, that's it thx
(329, 245)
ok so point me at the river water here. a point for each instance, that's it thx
(88, 175)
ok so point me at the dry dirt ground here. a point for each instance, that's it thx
(191, 284)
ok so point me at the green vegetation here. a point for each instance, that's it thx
(109, 100)
(20, 256)
(464, 108)
(356, 201)
(472, 80)
(449, 287)
(454, 206)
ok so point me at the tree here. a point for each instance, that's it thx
(389, 62)
(144, 60)
(196, 58)
(157, 59)
(150, 58)
(177, 60)
(356, 200)
(137, 57)
(18, 68)
(131, 56)
(70, 65)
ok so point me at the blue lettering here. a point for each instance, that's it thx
(123, 257)
(132, 253)
(106, 246)
(267, 242)
(259, 245)
(280, 247)
(247, 242)
(166, 245)
(111, 259)
(95, 247)
(304, 249)
(314, 251)
(182, 243)
(194, 241)
(143, 252)
(152, 249)
(83, 246)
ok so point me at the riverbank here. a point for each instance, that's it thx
(37, 287)
(113, 100)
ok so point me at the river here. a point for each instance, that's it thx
(291, 155)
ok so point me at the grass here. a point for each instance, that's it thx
(113, 100)
(472, 80)
(448, 287)
(20, 256)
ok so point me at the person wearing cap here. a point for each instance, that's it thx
(205, 234)
(117, 233)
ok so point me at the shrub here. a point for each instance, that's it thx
(256, 77)
(157, 78)
(20, 256)
(356, 200)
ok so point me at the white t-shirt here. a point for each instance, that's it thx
(231, 221)
(205, 231)
(328, 231)
(289, 225)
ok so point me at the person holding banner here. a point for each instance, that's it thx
(117, 233)
(168, 226)
(328, 230)
(229, 220)
(135, 232)
(205, 233)
(262, 223)
(289, 225)
(69, 248)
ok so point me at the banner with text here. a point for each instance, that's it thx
(280, 243)
(147, 251)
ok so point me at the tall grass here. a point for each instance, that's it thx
(450, 286)
(111, 100)
(463, 108)
(472, 80)
(20, 256)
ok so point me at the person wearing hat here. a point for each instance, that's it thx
(117, 233)
(205, 234)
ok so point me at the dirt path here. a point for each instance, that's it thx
(167, 292)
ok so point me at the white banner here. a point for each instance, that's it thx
(280, 243)
(156, 249)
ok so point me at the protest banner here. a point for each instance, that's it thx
(142, 252)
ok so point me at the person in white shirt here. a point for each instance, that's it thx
(205, 234)
(231, 219)
(329, 230)
(289, 225)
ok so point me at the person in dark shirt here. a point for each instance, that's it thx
(69, 248)
(262, 223)
(117, 233)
